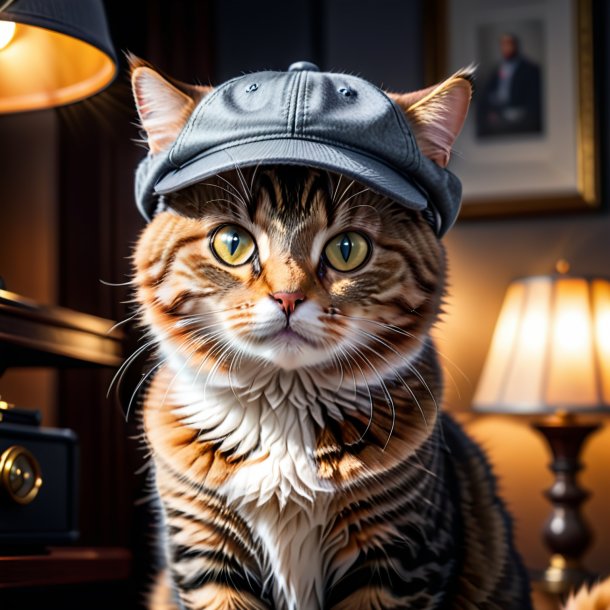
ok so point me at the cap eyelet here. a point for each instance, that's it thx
(347, 92)
(251, 88)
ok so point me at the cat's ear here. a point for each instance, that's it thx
(163, 106)
(436, 114)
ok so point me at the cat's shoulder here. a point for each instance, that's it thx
(469, 468)
(462, 450)
(491, 570)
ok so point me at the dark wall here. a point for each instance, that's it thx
(251, 36)
(377, 39)
(29, 242)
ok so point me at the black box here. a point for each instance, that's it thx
(51, 517)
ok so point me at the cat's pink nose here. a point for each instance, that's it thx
(288, 301)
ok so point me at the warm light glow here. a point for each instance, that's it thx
(550, 349)
(571, 372)
(7, 32)
(523, 379)
(601, 312)
(500, 352)
(42, 68)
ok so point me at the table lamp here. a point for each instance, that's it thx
(550, 357)
(53, 52)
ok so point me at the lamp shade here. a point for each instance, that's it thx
(53, 52)
(550, 349)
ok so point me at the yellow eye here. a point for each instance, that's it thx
(233, 245)
(347, 251)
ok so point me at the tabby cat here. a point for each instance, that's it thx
(292, 414)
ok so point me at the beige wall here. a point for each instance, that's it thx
(483, 258)
(28, 242)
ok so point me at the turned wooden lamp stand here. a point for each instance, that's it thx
(566, 534)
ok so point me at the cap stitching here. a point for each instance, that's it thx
(297, 100)
(302, 93)
(305, 103)
(291, 102)
(295, 104)
(285, 107)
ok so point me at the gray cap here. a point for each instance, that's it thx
(325, 120)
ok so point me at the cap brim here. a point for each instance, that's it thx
(366, 170)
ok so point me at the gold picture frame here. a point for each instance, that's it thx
(555, 169)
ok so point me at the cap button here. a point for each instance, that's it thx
(302, 66)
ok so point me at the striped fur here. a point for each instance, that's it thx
(309, 468)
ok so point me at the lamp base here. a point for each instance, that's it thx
(566, 533)
(562, 576)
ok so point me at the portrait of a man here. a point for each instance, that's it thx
(510, 98)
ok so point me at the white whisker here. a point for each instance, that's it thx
(385, 391)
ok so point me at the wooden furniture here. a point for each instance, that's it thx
(32, 334)
(42, 335)
(64, 566)
(67, 579)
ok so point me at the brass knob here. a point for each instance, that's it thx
(20, 474)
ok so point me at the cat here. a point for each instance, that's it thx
(292, 412)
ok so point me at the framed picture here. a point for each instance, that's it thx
(529, 143)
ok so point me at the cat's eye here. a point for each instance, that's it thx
(347, 251)
(233, 245)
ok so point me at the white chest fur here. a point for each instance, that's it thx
(271, 421)
(295, 540)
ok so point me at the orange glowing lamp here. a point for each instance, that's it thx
(53, 53)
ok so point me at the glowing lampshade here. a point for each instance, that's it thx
(550, 349)
(53, 52)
